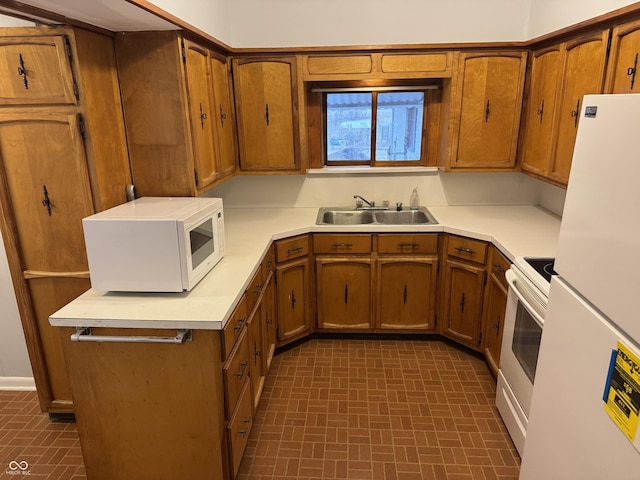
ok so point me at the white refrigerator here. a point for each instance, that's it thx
(591, 339)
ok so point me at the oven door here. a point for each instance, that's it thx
(524, 320)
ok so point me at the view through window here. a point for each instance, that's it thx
(394, 119)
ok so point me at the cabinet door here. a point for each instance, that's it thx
(224, 115)
(256, 351)
(201, 113)
(622, 70)
(583, 74)
(541, 106)
(35, 70)
(293, 299)
(406, 292)
(270, 323)
(46, 187)
(267, 113)
(344, 292)
(491, 97)
(494, 321)
(464, 285)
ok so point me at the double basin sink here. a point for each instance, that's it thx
(349, 216)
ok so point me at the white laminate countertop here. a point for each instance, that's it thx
(515, 230)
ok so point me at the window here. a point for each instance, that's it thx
(376, 127)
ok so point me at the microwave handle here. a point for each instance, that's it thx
(84, 334)
(525, 298)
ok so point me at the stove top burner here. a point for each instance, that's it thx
(544, 266)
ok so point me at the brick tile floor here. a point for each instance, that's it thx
(379, 409)
(331, 409)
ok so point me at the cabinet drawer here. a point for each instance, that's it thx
(236, 371)
(342, 243)
(499, 265)
(239, 427)
(292, 248)
(403, 244)
(467, 249)
(269, 263)
(234, 326)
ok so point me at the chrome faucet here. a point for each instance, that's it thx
(371, 204)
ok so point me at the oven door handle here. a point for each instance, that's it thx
(526, 298)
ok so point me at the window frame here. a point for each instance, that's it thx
(317, 116)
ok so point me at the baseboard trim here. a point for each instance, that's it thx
(17, 384)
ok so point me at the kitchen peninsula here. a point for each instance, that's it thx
(129, 396)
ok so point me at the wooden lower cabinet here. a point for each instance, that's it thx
(463, 290)
(495, 305)
(406, 292)
(151, 410)
(344, 292)
(293, 289)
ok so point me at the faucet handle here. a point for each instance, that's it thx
(399, 206)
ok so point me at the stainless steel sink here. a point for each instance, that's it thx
(404, 217)
(349, 216)
(346, 217)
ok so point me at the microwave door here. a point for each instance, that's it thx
(202, 243)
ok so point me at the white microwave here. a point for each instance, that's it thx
(154, 244)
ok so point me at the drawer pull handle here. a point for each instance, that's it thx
(291, 251)
(342, 245)
(238, 327)
(243, 367)
(499, 268)
(412, 245)
(84, 334)
(465, 250)
(23, 72)
(496, 326)
(404, 299)
(258, 289)
(462, 303)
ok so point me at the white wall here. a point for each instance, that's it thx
(435, 189)
(281, 23)
(210, 16)
(549, 15)
(14, 361)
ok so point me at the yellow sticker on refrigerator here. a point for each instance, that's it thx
(622, 391)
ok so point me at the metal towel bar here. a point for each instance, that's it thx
(84, 334)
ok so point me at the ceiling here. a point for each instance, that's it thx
(114, 15)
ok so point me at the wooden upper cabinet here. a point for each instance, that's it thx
(224, 113)
(41, 156)
(200, 98)
(171, 113)
(585, 62)
(560, 77)
(622, 70)
(36, 70)
(379, 65)
(267, 108)
(488, 104)
(540, 119)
